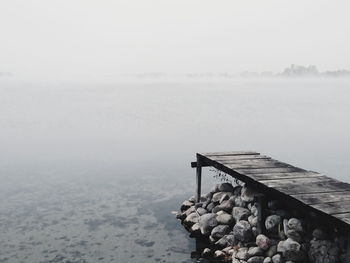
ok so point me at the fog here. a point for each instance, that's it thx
(85, 39)
(103, 105)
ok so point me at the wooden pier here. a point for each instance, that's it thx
(297, 187)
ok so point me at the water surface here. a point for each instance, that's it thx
(91, 172)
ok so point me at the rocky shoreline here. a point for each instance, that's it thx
(226, 223)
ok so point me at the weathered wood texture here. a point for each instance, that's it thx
(308, 189)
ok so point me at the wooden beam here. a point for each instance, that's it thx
(198, 179)
(194, 164)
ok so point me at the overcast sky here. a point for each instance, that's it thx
(103, 37)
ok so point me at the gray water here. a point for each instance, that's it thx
(91, 172)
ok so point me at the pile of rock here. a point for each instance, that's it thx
(228, 219)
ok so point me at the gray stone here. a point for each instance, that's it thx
(207, 222)
(191, 219)
(242, 231)
(201, 211)
(239, 202)
(285, 225)
(209, 196)
(226, 206)
(195, 229)
(267, 260)
(247, 194)
(218, 254)
(192, 199)
(253, 220)
(210, 207)
(296, 225)
(271, 251)
(293, 234)
(242, 253)
(277, 259)
(291, 250)
(272, 222)
(217, 196)
(190, 210)
(186, 204)
(225, 219)
(219, 231)
(235, 260)
(226, 241)
(240, 213)
(225, 187)
(263, 242)
(255, 231)
(206, 253)
(197, 205)
(223, 198)
(256, 259)
(255, 251)
(254, 209)
(324, 251)
(181, 216)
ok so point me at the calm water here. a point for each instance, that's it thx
(91, 173)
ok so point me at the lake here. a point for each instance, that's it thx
(91, 172)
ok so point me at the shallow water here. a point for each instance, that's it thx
(91, 173)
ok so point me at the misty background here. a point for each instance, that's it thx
(85, 39)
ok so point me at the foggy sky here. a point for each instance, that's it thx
(61, 38)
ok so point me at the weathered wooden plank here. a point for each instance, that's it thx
(318, 198)
(229, 153)
(244, 164)
(268, 170)
(344, 217)
(252, 162)
(295, 182)
(274, 176)
(333, 207)
(320, 187)
(235, 158)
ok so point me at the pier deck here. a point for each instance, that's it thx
(306, 189)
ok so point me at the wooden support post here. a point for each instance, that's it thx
(261, 201)
(347, 244)
(198, 180)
